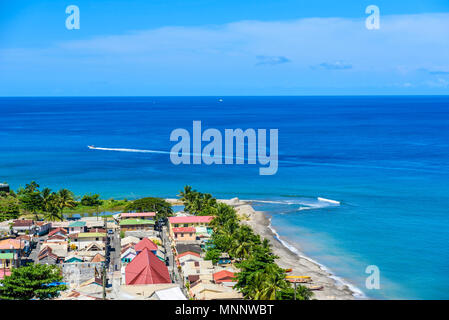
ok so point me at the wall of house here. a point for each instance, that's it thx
(77, 273)
(185, 236)
(85, 243)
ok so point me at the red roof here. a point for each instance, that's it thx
(191, 219)
(23, 223)
(56, 237)
(52, 232)
(184, 230)
(145, 243)
(189, 253)
(146, 268)
(137, 214)
(224, 276)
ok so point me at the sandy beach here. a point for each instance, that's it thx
(260, 223)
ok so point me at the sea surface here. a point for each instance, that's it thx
(385, 159)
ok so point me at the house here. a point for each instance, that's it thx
(130, 251)
(203, 232)
(95, 246)
(224, 276)
(98, 258)
(84, 239)
(203, 290)
(73, 259)
(56, 238)
(128, 254)
(184, 234)
(47, 256)
(187, 257)
(24, 226)
(11, 252)
(205, 277)
(145, 243)
(27, 240)
(77, 227)
(60, 224)
(42, 227)
(58, 231)
(173, 293)
(146, 268)
(188, 221)
(224, 259)
(138, 215)
(136, 224)
(60, 249)
(198, 268)
(129, 239)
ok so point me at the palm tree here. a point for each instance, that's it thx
(65, 199)
(46, 195)
(242, 250)
(275, 282)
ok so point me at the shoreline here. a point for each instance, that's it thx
(334, 288)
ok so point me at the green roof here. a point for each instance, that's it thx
(132, 222)
(77, 224)
(91, 234)
(9, 255)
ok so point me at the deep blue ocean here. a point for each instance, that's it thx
(385, 159)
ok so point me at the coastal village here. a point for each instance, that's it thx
(133, 255)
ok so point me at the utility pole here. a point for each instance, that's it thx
(106, 256)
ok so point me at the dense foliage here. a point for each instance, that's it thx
(91, 200)
(196, 202)
(32, 281)
(50, 204)
(9, 206)
(260, 278)
(162, 208)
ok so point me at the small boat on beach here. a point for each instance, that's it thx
(298, 279)
(316, 287)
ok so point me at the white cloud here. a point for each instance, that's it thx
(394, 54)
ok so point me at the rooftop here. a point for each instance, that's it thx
(128, 222)
(137, 214)
(91, 235)
(77, 224)
(191, 219)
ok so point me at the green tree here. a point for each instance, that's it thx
(213, 254)
(9, 207)
(32, 281)
(162, 208)
(30, 198)
(65, 199)
(92, 200)
(47, 199)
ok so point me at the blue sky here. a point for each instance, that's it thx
(217, 47)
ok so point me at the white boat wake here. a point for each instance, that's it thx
(130, 150)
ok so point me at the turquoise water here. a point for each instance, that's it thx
(384, 158)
